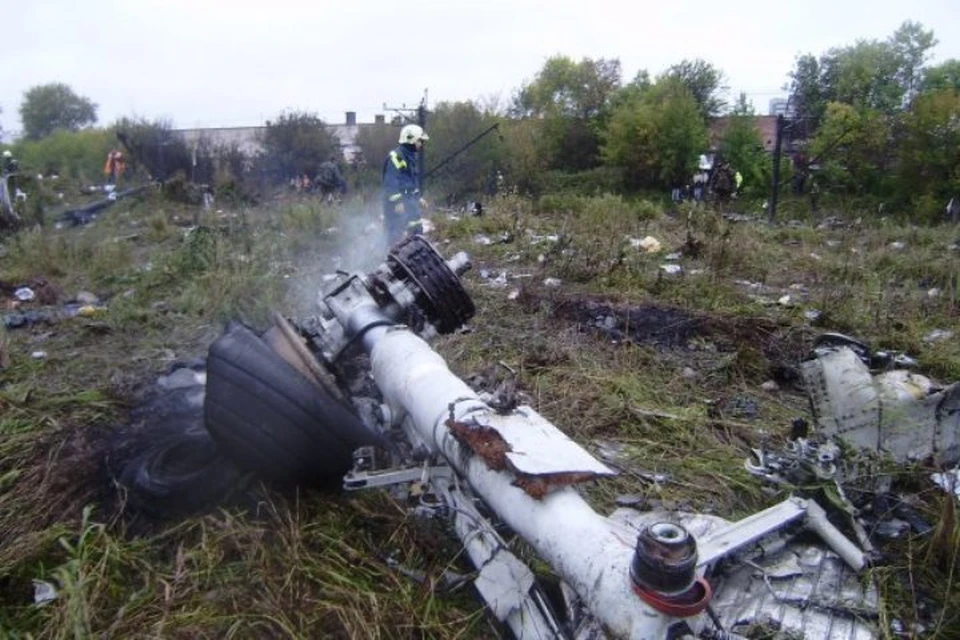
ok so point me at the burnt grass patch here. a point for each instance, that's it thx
(765, 348)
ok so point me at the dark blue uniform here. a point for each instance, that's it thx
(401, 190)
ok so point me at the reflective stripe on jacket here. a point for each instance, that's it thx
(400, 173)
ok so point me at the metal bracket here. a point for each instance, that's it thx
(355, 480)
(744, 533)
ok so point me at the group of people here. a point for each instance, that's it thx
(721, 181)
(328, 181)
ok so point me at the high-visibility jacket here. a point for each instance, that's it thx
(401, 180)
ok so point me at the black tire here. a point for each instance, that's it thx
(269, 419)
(181, 474)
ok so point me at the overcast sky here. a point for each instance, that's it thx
(232, 63)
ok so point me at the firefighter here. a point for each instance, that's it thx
(401, 185)
(9, 162)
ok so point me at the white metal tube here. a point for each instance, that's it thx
(586, 549)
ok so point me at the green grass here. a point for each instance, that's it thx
(313, 564)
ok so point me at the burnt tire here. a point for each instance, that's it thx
(181, 474)
(268, 418)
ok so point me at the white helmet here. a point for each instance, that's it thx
(412, 133)
(7, 154)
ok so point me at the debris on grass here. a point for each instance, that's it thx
(43, 592)
(897, 413)
(647, 244)
(949, 481)
(938, 335)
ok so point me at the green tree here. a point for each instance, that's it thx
(742, 146)
(297, 143)
(571, 99)
(656, 137)
(880, 75)
(704, 82)
(807, 96)
(631, 91)
(929, 147)
(863, 76)
(911, 45)
(452, 125)
(48, 107)
(563, 87)
(851, 149)
(943, 76)
(525, 164)
(375, 142)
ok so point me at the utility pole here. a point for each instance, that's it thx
(775, 191)
(414, 115)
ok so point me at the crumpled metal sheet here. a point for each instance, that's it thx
(899, 413)
(948, 481)
(782, 583)
(803, 589)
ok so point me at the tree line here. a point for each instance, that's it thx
(867, 122)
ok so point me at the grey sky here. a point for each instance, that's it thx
(226, 63)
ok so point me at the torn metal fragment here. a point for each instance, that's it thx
(899, 413)
(525, 443)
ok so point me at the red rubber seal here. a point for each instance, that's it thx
(686, 605)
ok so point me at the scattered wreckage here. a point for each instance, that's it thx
(356, 392)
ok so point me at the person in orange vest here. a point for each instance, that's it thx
(114, 166)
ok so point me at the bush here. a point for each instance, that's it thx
(599, 207)
(592, 182)
(297, 144)
(154, 146)
(78, 155)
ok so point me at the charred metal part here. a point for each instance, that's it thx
(665, 559)
(664, 571)
(440, 296)
(415, 286)
(284, 339)
(827, 342)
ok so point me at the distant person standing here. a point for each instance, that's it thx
(722, 183)
(9, 162)
(8, 185)
(114, 167)
(10, 168)
(401, 185)
(330, 180)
